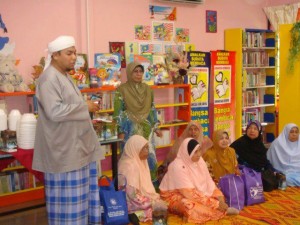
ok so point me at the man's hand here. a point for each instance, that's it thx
(93, 107)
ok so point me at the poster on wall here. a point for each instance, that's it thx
(142, 33)
(198, 78)
(222, 92)
(162, 31)
(131, 48)
(182, 35)
(211, 21)
(162, 12)
(150, 48)
(118, 47)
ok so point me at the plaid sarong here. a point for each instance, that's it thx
(73, 197)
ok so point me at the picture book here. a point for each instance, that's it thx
(161, 75)
(108, 68)
(147, 61)
(80, 74)
(118, 47)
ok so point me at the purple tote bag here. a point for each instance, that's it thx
(253, 186)
(232, 187)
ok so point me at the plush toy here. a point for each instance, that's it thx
(10, 79)
(177, 65)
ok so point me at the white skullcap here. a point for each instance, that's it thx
(60, 43)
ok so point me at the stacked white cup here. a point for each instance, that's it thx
(3, 120)
(26, 127)
(13, 118)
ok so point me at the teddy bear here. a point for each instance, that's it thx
(10, 79)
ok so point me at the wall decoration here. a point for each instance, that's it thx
(131, 48)
(150, 48)
(173, 48)
(118, 47)
(189, 47)
(162, 31)
(182, 35)
(142, 33)
(211, 21)
(162, 13)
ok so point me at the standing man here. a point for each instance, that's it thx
(66, 145)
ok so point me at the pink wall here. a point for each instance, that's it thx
(33, 23)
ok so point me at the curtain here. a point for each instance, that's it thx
(283, 14)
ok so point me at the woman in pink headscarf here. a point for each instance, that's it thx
(189, 189)
(140, 192)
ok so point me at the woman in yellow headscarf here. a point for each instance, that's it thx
(221, 158)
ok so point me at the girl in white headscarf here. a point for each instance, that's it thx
(284, 154)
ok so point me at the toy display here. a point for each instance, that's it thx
(10, 79)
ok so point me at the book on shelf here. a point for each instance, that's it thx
(105, 100)
(161, 75)
(80, 74)
(108, 67)
(161, 115)
(179, 95)
(254, 78)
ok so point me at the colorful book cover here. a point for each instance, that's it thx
(147, 61)
(108, 68)
(182, 35)
(80, 74)
(161, 75)
(142, 33)
(118, 47)
(131, 48)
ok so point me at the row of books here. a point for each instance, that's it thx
(254, 78)
(104, 99)
(256, 59)
(256, 97)
(257, 39)
(251, 114)
(16, 181)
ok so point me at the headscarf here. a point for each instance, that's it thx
(204, 141)
(60, 43)
(251, 151)
(137, 96)
(184, 173)
(284, 154)
(136, 170)
(223, 161)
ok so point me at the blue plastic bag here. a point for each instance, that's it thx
(113, 204)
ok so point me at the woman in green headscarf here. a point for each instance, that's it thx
(221, 158)
(135, 112)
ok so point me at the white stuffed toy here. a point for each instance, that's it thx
(10, 79)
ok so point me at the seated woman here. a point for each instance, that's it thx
(284, 154)
(221, 158)
(193, 130)
(140, 192)
(252, 153)
(189, 189)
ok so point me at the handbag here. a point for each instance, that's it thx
(253, 186)
(114, 209)
(269, 180)
(232, 186)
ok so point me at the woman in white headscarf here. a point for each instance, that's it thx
(284, 154)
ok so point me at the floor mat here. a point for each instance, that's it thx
(281, 207)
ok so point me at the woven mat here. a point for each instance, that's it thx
(281, 207)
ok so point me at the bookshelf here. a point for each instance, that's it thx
(256, 78)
